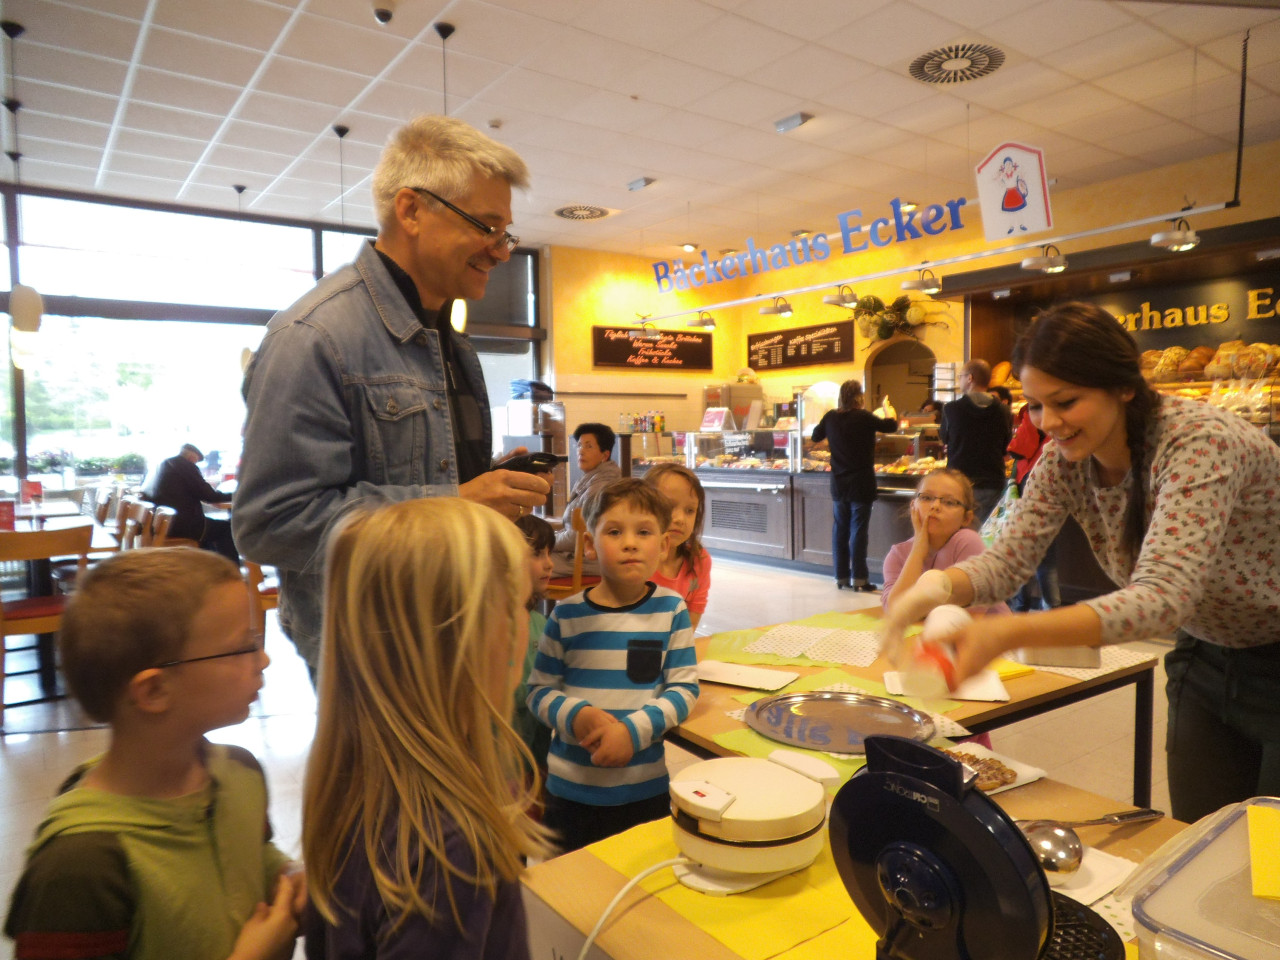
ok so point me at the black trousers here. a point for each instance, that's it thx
(1223, 743)
(578, 824)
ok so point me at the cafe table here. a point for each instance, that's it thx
(565, 896)
(1031, 695)
(38, 513)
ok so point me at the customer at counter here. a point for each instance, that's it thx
(595, 459)
(362, 389)
(850, 432)
(976, 429)
(1180, 502)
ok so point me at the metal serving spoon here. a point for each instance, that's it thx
(1058, 847)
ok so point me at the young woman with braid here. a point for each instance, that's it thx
(1180, 502)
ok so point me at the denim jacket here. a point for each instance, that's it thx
(347, 402)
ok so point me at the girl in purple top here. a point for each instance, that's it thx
(941, 514)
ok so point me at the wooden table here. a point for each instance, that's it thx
(1030, 696)
(574, 889)
(46, 510)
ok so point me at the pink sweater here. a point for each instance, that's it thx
(964, 543)
(693, 583)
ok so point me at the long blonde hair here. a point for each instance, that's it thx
(413, 741)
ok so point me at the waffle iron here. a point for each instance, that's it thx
(940, 872)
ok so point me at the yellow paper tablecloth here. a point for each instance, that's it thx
(804, 916)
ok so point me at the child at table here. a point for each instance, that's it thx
(541, 537)
(685, 567)
(616, 670)
(160, 848)
(941, 516)
(414, 806)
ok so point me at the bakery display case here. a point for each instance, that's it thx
(772, 450)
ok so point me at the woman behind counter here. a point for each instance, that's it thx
(595, 460)
(1178, 500)
(850, 432)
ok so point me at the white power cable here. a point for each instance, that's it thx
(591, 937)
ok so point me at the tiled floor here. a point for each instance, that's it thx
(1089, 744)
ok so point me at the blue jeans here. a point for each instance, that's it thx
(1046, 579)
(849, 538)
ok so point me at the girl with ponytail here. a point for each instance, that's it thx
(1180, 502)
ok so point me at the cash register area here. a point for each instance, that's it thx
(1089, 745)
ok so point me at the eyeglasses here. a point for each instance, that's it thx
(504, 240)
(255, 647)
(928, 500)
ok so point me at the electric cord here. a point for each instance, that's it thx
(648, 871)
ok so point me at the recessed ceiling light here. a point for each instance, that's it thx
(688, 246)
(787, 124)
(802, 232)
(1000, 294)
(640, 183)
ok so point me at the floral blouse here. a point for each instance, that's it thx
(1210, 560)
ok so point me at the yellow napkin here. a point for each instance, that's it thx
(802, 912)
(1008, 669)
(1264, 850)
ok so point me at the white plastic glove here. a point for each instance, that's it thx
(933, 589)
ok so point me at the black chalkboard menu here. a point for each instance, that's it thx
(801, 346)
(673, 350)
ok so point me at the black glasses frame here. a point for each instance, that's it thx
(242, 652)
(928, 498)
(505, 240)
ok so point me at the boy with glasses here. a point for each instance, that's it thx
(160, 848)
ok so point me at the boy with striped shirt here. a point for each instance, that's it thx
(616, 669)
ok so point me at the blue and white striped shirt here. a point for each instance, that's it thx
(638, 664)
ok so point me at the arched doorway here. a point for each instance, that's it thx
(903, 370)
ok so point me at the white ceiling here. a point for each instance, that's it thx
(177, 100)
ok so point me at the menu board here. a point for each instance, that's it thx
(801, 346)
(672, 350)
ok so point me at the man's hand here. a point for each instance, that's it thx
(270, 932)
(510, 492)
(933, 589)
(610, 745)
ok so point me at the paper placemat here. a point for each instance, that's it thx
(731, 646)
(1113, 658)
(858, 648)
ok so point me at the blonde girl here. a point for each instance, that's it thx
(686, 566)
(414, 822)
(942, 517)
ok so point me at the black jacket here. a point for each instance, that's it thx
(977, 436)
(178, 483)
(851, 434)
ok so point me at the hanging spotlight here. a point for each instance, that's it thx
(26, 310)
(1180, 238)
(779, 307)
(1050, 260)
(646, 331)
(926, 283)
(703, 320)
(444, 31)
(342, 130)
(843, 297)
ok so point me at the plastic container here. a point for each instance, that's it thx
(1193, 900)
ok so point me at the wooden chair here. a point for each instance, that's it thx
(41, 614)
(133, 528)
(264, 595)
(561, 587)
(161, 519)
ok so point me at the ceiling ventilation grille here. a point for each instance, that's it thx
(582, 211)
(957, 63)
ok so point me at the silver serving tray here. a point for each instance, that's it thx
(835, 722)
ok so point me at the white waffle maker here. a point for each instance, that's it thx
(746, 821)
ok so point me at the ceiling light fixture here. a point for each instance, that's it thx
(640, 183)
(728, 251)
(1050, 260)
(13, 30)
(843, 297)
(802, 232)
(688, 246)
(445, 31)
(779, 308)
(1120, 276)
(1001, 294)
(704, 320)
(342, 131)
(926, 283)
(908, 206)
(1179, 239)
(787, 124)
(1263, 255)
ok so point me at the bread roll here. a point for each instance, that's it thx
(1000, 373)
(1192, 368)
(1221, 367)
(1252, 362)
(1167, 368)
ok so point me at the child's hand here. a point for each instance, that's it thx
(588, 721)
(293, 871)
(610, 745)
(270, 932)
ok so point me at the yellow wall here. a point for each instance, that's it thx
(594, 288)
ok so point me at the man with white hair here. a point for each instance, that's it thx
(362, 390)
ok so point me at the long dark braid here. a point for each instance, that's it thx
(1082, 344)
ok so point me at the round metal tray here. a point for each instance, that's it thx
(835, 722)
